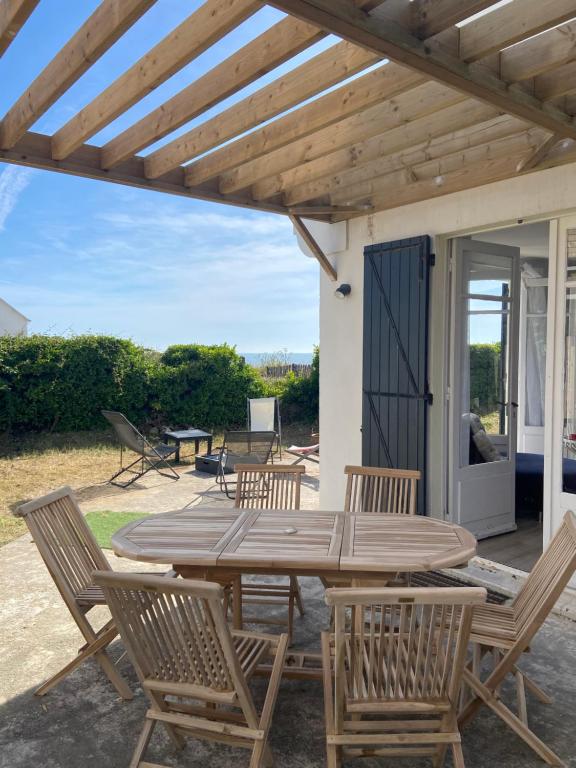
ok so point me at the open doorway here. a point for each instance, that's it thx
(498, 370)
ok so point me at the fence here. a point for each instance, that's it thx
(302, 370)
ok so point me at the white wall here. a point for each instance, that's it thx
(12, 322)
(540, 194)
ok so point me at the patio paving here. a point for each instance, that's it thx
(82, 723)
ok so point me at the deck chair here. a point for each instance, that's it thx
(71, 554)
(376, 490)
(264, 416)
(193, 668)
(305, 453)
(395, 653)
(506, 631)
(270, 487)
(149, 456)
(242, 448)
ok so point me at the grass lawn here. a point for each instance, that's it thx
(104, 523)
(34, 464)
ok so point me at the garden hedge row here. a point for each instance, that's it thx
(55, 383)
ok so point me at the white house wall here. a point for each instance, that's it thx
(12, 322)
(537, 195)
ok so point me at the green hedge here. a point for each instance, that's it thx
(484, 377)
(55, 383)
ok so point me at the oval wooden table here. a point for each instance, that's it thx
(219, 544)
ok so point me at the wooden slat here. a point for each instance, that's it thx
(13, 16)
(319, 254)
(518, 145)
(324, 70)
(511, 23)
(433, 16)
(546, 51)
(407, 160)
(270, 49)
(426, 99)
(389, 39)
(557, 82)
(104, 27)
(213, 20)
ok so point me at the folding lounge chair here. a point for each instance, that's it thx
(149, 456)
(71, 554)
(194, 670)
(264, 416)
(393, 670)
(305, 453)
(506, 632)
(242, 448)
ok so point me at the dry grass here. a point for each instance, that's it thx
(32, 465)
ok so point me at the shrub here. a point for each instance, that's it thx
(484, 377)
(299, 396)
(205, 386)
(49, 382)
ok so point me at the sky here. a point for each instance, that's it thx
(83, 256)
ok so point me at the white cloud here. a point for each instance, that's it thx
(13, 181)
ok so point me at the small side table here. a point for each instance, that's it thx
(187, 435)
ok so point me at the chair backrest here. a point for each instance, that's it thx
(547, 580)
(262, 414)
(246, 447)
(126, 432)
(406, 646)
(64, 542)
(381, 491)
(177, 637)
(272, 486)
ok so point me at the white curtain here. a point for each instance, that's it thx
(536, 308)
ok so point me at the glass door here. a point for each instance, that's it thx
(484, 386)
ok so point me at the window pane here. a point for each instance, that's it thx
(535, 370)
(569, 437)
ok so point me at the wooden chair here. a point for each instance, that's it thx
(376, 490)
(271, 487)
(193, 668)
(71, 554)
(395, 653)
(507, 631)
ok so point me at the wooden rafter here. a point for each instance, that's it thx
(270, 49)
(319, 254)
(193, 36)
(539, 54)
(416, 103)
(307, 180)
(390, 39)
(557, 82)
(539, 154)
(13, 15)
(323, 71)
(431, 149)
(438, 169)
(103, 28)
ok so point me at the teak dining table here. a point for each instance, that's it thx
(221, 543)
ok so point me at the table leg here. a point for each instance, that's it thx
(177, 454)
(237, 621)
(209, 446)
(196, 447)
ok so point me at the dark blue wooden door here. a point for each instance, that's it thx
(395, 369)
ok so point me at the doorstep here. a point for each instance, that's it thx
(508, 581)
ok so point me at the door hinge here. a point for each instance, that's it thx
(429, 398)
(432, 260)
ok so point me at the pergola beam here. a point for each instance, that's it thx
(270, 49)
(34, 150)
(540, 54)
(204, 27)
(389, 39)
(102, 29)
(13, 16)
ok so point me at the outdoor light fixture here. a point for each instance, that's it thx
(342, 291)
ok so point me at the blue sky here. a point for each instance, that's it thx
(83, 256)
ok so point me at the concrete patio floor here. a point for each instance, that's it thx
(82, 723)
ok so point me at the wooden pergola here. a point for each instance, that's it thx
(409, 104)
